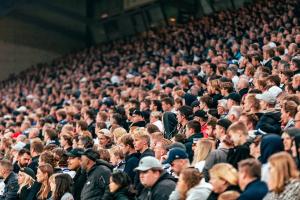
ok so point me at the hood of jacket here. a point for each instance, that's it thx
(270, 145)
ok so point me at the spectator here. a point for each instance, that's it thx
(224, 177)
(119, 187)
(105, 139)
(229, 195)
(36, 148)
(191, 186)
(142, 144)
(10, 180)
(26, 179)
(41, 190)
(185, 113)
(178, 159)
(60, 186)
(157, 183)
(249, 180)
(74, 164)
(192, 133)
(117, 158)
(284, 178)
(22, 160)
(203, 148)
(241, 150)
(97, 175)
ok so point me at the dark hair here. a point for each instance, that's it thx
(157, 103)
(23, 151)
(63, 183)
(127, 140)
(194, 125)
(168, 100)
(86, 141)
(121, 179)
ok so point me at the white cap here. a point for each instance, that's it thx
(18, 146)
(275, 91)
(21, 109)
(267, 97)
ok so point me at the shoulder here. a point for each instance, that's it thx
(67, 196)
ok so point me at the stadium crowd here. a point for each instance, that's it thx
(207, 110)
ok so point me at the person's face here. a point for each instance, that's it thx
(179, 117)
(21, 177)
(113, 187)
(165, 106)
(219, 185)
(284, 116)
(287, 141)
(219, 131)
(74, 163)
(125, 148)
(24, 160)
(220, 110)
(148, 178)
(40, 176)
(255, 150)
(136, 118)
(235, 137)
(102, 140)
(84, 162)
(177, 166)
(139, 144)
(159, 151)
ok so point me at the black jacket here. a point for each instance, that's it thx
(161, 190)
(34, 163)
(97, 180)
(170, 124)
(78, 183)
(257, 189)
(236, 154)
(120, 194)
(147, 152)
(11, 188)
(25, 191)
(131, 162)
(269, 122)
(189, 144)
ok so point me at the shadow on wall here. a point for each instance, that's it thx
(16, 58)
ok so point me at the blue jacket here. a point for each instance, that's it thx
(255, 190)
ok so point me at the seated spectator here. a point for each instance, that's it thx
(10, 180)
(26, 179)
(192, 133)
(117, 158)
(191, 186)
(223, 177)
(284, 178)
(79, 179)
(23, 160)
(202, 149)
(157, 183)
(119, 187)
(270, 144)
(60, 186)
(249, 180)
(105, 139)
(142, 144)
(42, 190)
(97, 175)
(241, 150)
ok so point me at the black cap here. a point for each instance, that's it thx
(137, 112)
(235, 97)
(91, 154)
(75, 152)
(195, 103)
(28, 171)
(225, 123)
(176, 145)
(201, 114)
(169, 85)
(276, 58)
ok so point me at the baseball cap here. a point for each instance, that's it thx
(267, 97)
(195, 103)
(75, 152)
(174, 154)
(137, 112)
(105, 132)
(222, 103)
(201, 114)
(235, 97)
(147, 163)
(91, 154)
(28, 171)
(176, 145)
(292, 132)
(275, 90)
(225, 123)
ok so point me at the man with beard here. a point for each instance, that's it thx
(23, 160)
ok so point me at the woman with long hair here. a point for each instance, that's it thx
(202, 150)
(119, 187)
(43, 173)
(60, 186)
(190, 186)
(284, 182)
(26, 179)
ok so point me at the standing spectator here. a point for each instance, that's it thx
(74, 164)
(284, 180)
(10, 179)
(26, 179)
(249, 180)
(157, 183)
(60, 186)
(97, 176)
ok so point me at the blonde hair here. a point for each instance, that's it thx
(119, 132)
(28, 181)
(203, 148)
(225, 172)
(284, 169)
